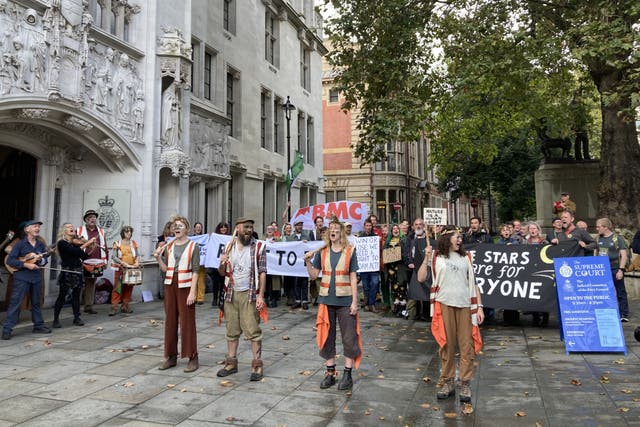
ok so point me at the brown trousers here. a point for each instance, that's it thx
(458, 328)
(177, 312)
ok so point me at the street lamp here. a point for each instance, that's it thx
(288, 107)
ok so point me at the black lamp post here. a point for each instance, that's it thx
(288, 108)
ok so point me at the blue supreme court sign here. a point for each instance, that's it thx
(588, 306)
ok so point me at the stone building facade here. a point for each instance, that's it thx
(145, 109)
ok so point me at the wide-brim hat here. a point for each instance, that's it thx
(31, 222)
(244, 219)
(89, 213)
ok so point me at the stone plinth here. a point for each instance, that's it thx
(580, 180)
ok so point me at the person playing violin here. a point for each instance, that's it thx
(71, 249)
(27, 256)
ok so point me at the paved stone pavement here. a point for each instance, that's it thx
(105, 373)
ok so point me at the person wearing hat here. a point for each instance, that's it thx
(91, 230)
(27, 256)
(300, 284)
(244, 266)
(564, 204)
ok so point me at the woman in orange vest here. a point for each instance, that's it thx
(338, 299)
(180, 260)
(124, 255)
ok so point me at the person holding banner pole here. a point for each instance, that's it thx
(300, 284)
(338, 300)
(370, 279)
(456, 308)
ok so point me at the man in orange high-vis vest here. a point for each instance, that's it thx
(338, 299)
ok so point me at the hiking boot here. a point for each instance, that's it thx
(346, 383)
(193, 365)
(447, 389)
(328, 380)
(169, 362)
(256, 370)
(465, 392)
(230, 367)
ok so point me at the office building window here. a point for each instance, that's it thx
(302, 143)
(310, 149)
(233, 102)
(271, 33)
(278, 127)
(305, 68)
(334, 96)
(208, 75)
(229, 15)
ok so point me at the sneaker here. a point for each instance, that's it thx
(305, 306)
(230, 367)
(296, 306)
(465, 392)
(193, 365)
(624, 319)
(78, 321)
(328, 380)
(346, 383)
(6, 335)
(41, 330)
(56, 324)
(447, 389)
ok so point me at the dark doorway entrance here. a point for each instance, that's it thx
(18, 178)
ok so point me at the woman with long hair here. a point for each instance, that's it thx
(71, 256)
(338, 299)
(456, 312)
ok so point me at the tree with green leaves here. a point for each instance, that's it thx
(480, 76)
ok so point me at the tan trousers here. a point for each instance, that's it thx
(458, 328)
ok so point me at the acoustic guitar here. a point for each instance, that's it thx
(31, 258)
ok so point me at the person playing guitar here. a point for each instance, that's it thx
(26, 256)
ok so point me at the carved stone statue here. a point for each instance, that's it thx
(138, 116)
(102, 96)
(171, 126)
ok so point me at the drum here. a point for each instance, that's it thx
(93, 267)
(132, 276)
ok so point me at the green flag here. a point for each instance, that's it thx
(294, 170)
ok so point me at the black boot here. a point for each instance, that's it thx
(346, 383)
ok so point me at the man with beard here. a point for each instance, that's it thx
(245, 269)
(613, 246)
(571, 232)
(416, 250)
(476, 233)
(96, 252)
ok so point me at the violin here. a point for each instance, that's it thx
(77, 240)
(31, 258)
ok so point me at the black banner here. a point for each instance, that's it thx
(519, 277)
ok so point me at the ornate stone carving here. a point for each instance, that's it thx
(55, 156)
(175, 56)
(209, 146)
(111, 147)
(77, 124)
(29, 131)
(172, 43)
(33, 113)
(52, 55)
(171, 130)
(177, 161)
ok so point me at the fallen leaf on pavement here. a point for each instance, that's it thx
(171, 385)
(226, 383)
(521, 414)
(361, 374)
(421, 340)
(426, 379)
(47, 343)
(526, 393)
(144, 347)
(286, 337)
(626, 391)
(99, 328)
(380, 377)
(274, 328)
(623, 409)
(467, 409)
(450, 415)
(367, 412)
(604, 379)
(129, 384)
(182, 390)
(231, 419)
(619, 362)
(636, 399)
(576, 382)
(381, 418)
(425, 406)
(305, 373)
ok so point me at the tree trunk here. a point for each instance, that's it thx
(619, 192)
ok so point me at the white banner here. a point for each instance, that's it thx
(203, 241)
(434, 216)
(287, 258)
(353, 212)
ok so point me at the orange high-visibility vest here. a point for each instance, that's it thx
(184, 265)
(343, 281)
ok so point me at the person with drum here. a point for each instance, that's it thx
(97, 260)
(126, 261)
(71, 251)
(180, 261)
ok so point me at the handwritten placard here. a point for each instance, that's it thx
(434, 216)
(368, 252)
